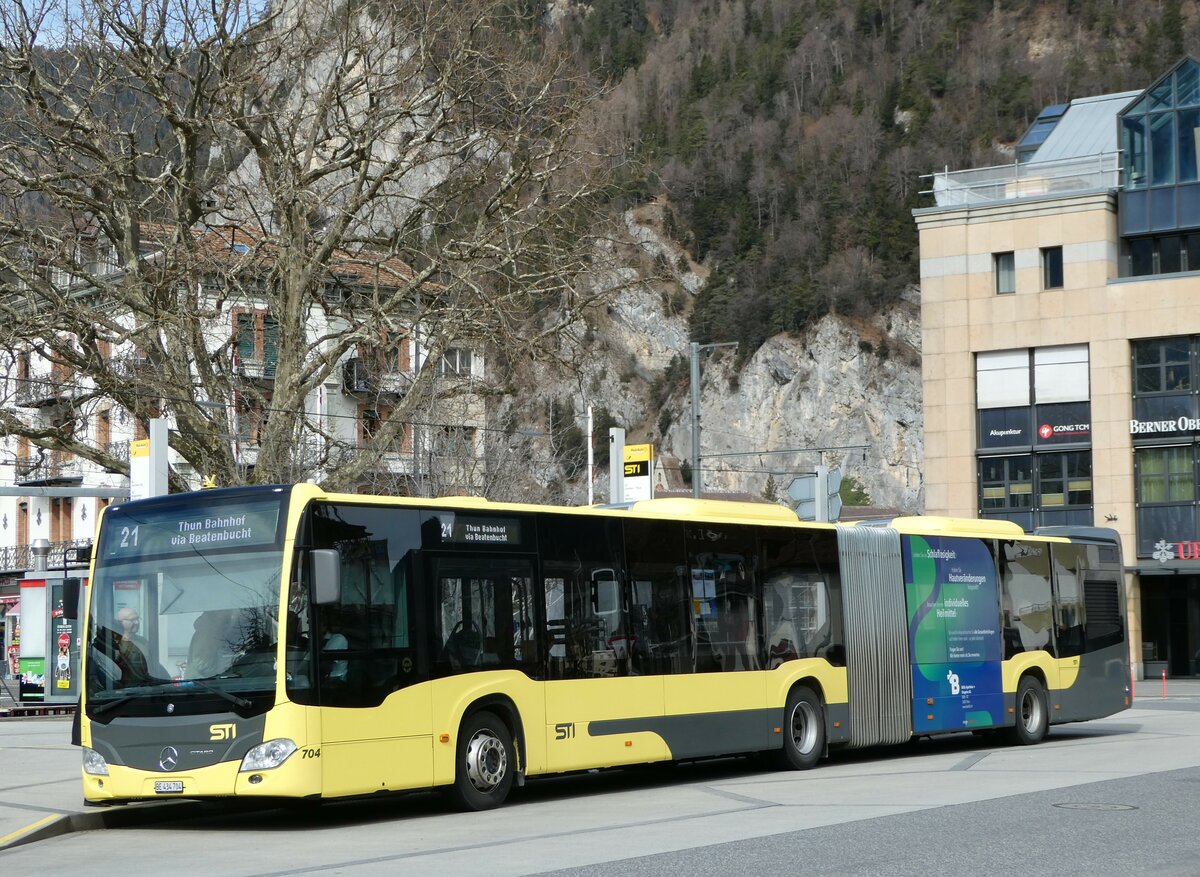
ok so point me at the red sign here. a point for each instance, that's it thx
(64, 639)
(1045, 431)
(1189, 550)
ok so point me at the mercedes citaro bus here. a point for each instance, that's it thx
(284, 642)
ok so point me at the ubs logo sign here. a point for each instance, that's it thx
(1165, 551)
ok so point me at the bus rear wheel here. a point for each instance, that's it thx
(803, 730)
(485, 764)
(1033, 717)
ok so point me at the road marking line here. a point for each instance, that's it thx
(28, 828)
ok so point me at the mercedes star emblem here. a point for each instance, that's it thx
(168, 758)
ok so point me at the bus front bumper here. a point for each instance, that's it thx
(297, 777)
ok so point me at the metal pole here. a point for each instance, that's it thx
(591, 457)
(697, 478)
(616, 465)
(695, 420)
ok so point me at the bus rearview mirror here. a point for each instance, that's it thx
(325, 570)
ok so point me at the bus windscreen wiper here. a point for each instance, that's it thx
(219, 692)
(103, 707)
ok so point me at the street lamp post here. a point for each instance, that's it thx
(696, 348)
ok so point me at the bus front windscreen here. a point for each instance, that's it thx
(184, 608)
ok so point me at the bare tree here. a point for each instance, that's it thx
(187, 187)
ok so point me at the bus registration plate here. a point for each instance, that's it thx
(168, 787)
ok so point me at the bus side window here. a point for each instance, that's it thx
(484, 614)
(1070, 564)
(587, 633)
(801, 598)
(1025, 597)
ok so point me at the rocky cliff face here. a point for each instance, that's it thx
(846, 393)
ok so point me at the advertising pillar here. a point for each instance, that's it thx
(32, 646)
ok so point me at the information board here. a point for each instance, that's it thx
(133, 532)
(953, 633)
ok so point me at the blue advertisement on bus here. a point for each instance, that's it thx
(953, 633)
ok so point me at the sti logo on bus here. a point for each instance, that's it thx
(222, 732)
(564, 730)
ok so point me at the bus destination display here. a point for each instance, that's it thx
(463, 530)
(137, 533)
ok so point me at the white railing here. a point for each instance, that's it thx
(1035, 179)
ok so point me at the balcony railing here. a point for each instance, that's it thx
(40, 470)
(120, 450)
(1036, 179)
(256, 369)
(40, 392)
(130, 365)
(19, 558)
(364, 376)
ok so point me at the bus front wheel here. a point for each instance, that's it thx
(803, 729)
(486, 763)
(1033, 718)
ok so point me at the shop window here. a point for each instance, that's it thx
(1006, 274)
(1006, 482)
(1166, 494)
(1043, 489)
(1064, 481)
(1165, 475)
(1052, 268)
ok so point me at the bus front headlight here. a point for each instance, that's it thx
(94, 763)
(266, 756)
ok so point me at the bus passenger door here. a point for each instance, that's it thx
(597, 714)
(371, 671)
(715, 694)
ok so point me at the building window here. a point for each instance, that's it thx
(1006, 482)
(454, 442)
(371, 421)
(1160, 254)
(1162, 379)
(455, 362)
(1158, 133)
(1035, 404)
(256, 340)
(252, 415)
(1052, 268)
(1166, 496)
(1064, 494)
(1006, 274)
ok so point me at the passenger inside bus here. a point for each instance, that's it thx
(211, 650)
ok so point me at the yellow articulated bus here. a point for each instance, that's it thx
(282, 642)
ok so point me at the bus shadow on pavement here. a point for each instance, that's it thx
(237, 816)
